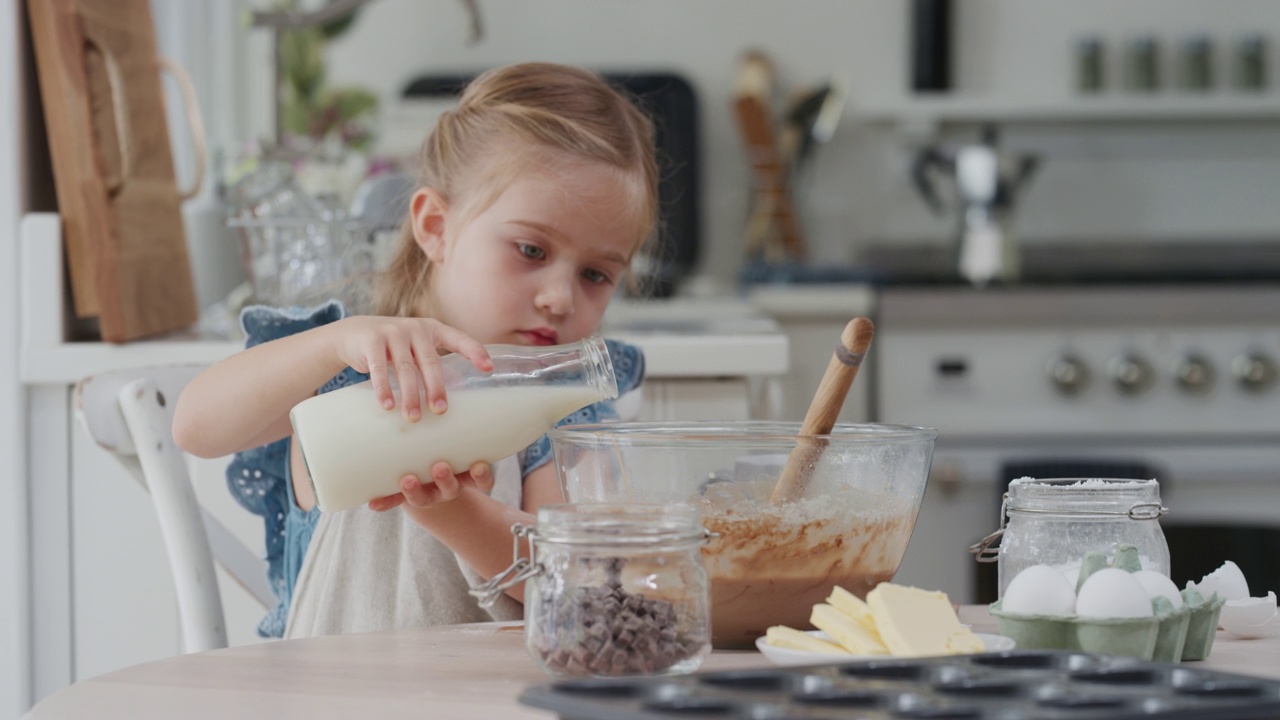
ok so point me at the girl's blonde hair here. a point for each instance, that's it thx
(507, 120)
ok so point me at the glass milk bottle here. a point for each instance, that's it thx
(355, 450)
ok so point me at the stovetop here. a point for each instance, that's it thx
(1049, 263)
(1096, 263)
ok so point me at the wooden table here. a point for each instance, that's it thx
(461, 671)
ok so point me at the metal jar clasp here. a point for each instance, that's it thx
(521, 569)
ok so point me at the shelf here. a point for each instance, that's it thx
(1168, 107)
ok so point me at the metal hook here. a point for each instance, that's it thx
(521, 569)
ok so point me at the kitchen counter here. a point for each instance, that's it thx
(461, 671)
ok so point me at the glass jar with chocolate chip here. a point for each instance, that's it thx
(616, 590)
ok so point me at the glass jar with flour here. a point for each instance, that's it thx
(1056, 521)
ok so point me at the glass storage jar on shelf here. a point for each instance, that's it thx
(1055, 522)
(612, 590)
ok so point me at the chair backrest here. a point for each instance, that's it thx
(130, 413)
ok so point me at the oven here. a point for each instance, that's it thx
(1178, 383)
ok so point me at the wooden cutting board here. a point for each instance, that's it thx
(117, 194)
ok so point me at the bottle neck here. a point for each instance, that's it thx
(598, 367)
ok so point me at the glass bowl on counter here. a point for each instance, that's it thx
(770, 558)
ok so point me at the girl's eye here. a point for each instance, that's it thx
(532, 252)
(595, 276)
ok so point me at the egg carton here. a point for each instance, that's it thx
(1170, 635)
(1029, 685)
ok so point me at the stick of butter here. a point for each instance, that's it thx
(792, 639)
(850, 634)
(853, 606)
(917, 623)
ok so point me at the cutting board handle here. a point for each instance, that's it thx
(120, 111)
(194, 123)
(115, 82)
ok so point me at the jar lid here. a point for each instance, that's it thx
(1086, 484)
(617, 524)
(1137, 499)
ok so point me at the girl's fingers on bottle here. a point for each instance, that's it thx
(446, 483)
(384, 504)
(465, 345)
(406, 369)
(376, 359)
(482, 476)
(418, 494)
(475, 352)
(429, 365)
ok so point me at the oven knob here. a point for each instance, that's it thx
(1194, 373)
(1254, 371)
(1130, 374)
(1069, 374)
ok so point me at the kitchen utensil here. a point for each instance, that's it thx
(772, 228)
(824, 409)
(99, 74)
(770, 563)
(811, 119)
(987, 183)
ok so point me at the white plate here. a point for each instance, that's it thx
(786, 656)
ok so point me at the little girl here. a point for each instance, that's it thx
(536, 193)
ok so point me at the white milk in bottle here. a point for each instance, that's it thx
(355, 450)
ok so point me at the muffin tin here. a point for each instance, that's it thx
(1016, 685)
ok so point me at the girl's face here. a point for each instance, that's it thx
(540, 264)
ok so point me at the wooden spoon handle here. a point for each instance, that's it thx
(825, 407)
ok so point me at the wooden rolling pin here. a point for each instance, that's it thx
(822, 413)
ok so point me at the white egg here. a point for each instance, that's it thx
(1039, 590)
(1113, 593)
(1159, 585)
(1227, 581)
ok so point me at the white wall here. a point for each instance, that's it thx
(15, 610)
(1104, 181)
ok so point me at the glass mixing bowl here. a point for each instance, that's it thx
(771, 559)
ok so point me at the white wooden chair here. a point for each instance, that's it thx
(130, 413)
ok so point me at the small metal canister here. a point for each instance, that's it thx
(612, 589)
(1056, 521)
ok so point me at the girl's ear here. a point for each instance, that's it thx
(428, 210)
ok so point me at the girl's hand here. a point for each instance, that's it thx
(407, 347)
(444, 486)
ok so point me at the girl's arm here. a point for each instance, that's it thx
(244, 400)
(472, 524)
